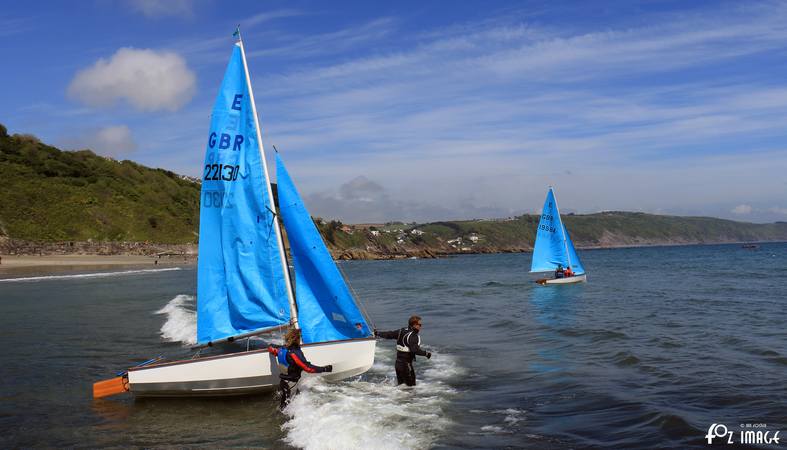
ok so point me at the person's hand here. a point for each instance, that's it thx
(329, 368)
(428, 355)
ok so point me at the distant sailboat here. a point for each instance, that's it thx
(243, 281)
(553, 246)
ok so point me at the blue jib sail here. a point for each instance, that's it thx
(240, 277)
(576, 264)
(326, 309)
(553, 244)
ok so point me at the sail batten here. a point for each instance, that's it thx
(326, 308)
(241, 285)
(553, 245)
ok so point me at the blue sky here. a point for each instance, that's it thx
(430, 110)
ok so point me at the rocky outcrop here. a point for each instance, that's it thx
(22, 247)
(361, 254)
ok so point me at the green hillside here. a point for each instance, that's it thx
(52, 195)
(606, 229)
(49, 195)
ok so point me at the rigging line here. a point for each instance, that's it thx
(359, 301)
(277, 217)
(270, 227)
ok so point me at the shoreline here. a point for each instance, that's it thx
(16, 266)
(19, 261)
(433, 254)
(62, 262)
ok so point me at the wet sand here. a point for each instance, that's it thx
(12, 266)
(13, 261)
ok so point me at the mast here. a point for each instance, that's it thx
(562, 228)
(282, 256)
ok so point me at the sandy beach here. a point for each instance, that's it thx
(13, 266)
(13, 261)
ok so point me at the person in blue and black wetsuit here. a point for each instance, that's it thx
(291, 356)
(408, 344)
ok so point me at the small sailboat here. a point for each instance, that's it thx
(244, 286)
(553, 248)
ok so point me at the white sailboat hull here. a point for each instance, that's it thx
(569, 280)
(246, 372)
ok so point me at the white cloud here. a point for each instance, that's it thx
(362, 189)
(363, 200)
(778, 210)
(163, 8)
(482, 116)
(10, 26)
(488, 116)
(268, 16)
(147, 79)
(742, 209)
(115, 141)
(295, 47)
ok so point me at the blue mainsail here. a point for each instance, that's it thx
(326, 309)
(240, 276)
(553, 243)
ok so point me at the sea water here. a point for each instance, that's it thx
(658, 345)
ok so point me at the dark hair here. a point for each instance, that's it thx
(413, 320)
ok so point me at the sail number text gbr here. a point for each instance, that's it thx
(220, 171)
(544, 226)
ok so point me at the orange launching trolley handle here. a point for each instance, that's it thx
(117, 385)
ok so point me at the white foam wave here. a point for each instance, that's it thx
(86, 275)
(511, 417)
(181, 323)
(372, 412)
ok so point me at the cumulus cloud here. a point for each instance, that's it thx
(362, 200)
(359, 199)
(112, 141)
(742, 209)
(162, 8)
(362, 189)
(147, 79)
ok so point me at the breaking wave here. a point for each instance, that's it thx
(371, 411)
(181, 323)
(86, 275)
(506, 421)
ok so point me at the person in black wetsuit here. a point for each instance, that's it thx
(408, 344)
(291, 356)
